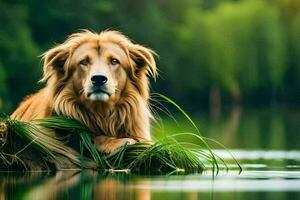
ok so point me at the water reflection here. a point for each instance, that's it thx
(51, 187)
(92, 185)
(72, 185)
(244, 128)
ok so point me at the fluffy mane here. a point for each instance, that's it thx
(130, 115)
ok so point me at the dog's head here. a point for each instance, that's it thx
(99, 67)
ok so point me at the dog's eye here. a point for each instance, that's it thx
(84, 62)
(114, 61)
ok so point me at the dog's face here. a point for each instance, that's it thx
(100, 70)
(99, 67)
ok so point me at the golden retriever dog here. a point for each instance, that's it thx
(101, 80)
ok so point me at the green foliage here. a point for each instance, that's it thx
(241, 46)
(18, 53)
(3, 87)
(295, 32)
(30, 145)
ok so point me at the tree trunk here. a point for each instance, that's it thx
(215, 102)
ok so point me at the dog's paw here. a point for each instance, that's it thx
(113, 145)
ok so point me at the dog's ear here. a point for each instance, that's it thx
(54, 62)
(143, 59)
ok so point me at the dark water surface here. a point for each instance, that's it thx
(266, 142)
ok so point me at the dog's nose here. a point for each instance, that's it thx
(98, 80)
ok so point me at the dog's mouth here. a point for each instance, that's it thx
(98, 91)
(99, 94)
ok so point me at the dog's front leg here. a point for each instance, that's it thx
(106, 144)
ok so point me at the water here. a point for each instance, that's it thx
(266, 142)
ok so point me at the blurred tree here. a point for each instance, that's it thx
(3, 87)
(295, 41)
(51, 21)
(240, 45)
(18, 54)
(225, 48)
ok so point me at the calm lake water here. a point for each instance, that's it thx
(266, 142)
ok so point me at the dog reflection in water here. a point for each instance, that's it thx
(71, 185)
(85, 185)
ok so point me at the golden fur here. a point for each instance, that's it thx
(119, 116)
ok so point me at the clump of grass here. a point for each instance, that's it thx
(29, 146)
(164, 156)
(58, 142)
